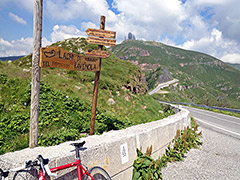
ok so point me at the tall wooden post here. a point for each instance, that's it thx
(36, 72)
(96, 84)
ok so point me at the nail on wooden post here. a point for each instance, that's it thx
(36, 72)
(96, 84)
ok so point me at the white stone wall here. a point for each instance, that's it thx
(115, 151)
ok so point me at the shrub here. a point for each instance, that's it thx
(146, 168)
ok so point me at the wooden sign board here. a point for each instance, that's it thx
(97, 53)
(57, 57)
(101, 33)
(101, 41)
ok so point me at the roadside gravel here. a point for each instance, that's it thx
(217, 159)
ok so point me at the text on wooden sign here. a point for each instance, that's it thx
(57, 57)
(101, 41)
(97, 53)
(101, 33)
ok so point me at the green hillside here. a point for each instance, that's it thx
(66, 97)
(202, 78)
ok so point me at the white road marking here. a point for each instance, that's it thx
(217, 127)
(220, 114)
(216, 117)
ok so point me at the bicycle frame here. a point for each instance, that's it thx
(80, 170)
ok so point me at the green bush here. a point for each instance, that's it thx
(146, 168)
(57, 111)
(58, 136)
(183, 142)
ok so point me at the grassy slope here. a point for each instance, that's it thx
(217, 83)
(66, 98)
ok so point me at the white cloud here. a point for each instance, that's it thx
(18, 47)
(225, 15)
(65, 10)
(196, 28)
(87, 10)
(216, 45)
(4, 43)
(150, 19)
(209, 26)
(231, 58)
(210, 2)
(27, 4)
(86, 25)
(17, 18)
(61, 32)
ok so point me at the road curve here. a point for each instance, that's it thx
(162, 85)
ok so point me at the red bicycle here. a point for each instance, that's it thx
(95, 173)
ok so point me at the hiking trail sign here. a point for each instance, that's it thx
(101, 41)
(104, 37)
(101, 33)
(57, 57)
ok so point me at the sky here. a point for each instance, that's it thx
(208, 26)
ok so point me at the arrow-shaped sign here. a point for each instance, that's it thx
(101, 41)
(101, 33)
(97, 53)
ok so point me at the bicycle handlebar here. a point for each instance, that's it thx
(44, 166)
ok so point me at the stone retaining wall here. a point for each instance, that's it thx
(115, 151)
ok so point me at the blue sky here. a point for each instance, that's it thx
(209, 26)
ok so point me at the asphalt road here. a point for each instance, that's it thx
(219, 156)
(216, 121)
(162, 85)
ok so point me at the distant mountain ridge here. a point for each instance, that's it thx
(235, 65)
(12, 58)
(203, 79)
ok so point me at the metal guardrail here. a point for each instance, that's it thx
(204, 106)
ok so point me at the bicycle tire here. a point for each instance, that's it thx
(26, 175)
(98, 173)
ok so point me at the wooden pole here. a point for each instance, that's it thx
(36, 72)
(96, 84)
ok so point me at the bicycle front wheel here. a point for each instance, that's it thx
(26, 175)
(98, 173)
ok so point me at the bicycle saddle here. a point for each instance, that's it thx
(78, 145)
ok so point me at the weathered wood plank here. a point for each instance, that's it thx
(97, 53)
(101, 33)
(57, 57)
(101, 41)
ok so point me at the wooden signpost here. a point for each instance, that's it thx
(100, 40)
(57, 57)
